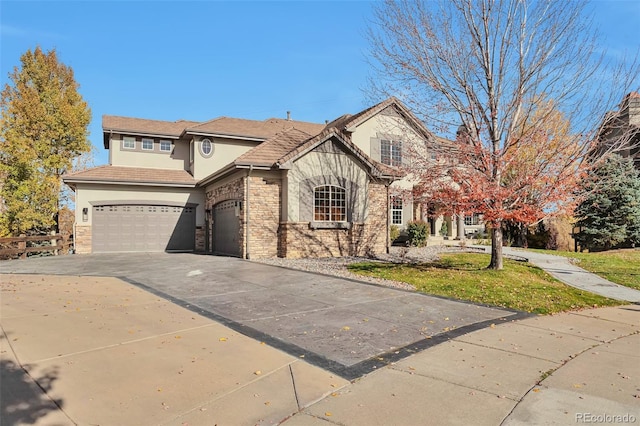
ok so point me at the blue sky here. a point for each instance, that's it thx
(197, 60)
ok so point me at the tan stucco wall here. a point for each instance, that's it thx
(224, 152)
(382, 124)
(178, 159)
(88, 195)
(322, 168)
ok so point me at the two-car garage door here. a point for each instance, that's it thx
(146, 228)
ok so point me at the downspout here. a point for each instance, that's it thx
(388, 226)
(247, 210)
(75, 235)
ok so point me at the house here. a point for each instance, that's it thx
(247, 188)
(620, 130)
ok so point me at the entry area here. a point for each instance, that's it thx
(143, 228)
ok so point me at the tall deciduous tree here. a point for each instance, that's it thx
(485, 65)
(610, 213)
(44, 128)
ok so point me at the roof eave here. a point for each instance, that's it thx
(129, 182)
(226, 136)
(140, 133)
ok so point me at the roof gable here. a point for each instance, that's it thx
(391, 106)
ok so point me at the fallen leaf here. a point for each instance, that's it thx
(267, 403)
(346, 328)
(222, 339)
(328, 414)
(257, 372)
(492, 326)
(536, 390)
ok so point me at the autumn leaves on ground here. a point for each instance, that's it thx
(519, 286)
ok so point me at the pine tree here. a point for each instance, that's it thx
(609, 216)
(43, 128)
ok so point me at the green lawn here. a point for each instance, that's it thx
(619, 266)
(463, 276)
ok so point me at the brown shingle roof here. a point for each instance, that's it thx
(347, 121)
(290, 145)
(141, 125)
(269, 152)
(140, 175)
(252, 128)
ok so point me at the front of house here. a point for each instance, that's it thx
(252, 189)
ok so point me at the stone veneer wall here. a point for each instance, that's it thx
(297, 239)
(374, 240)
(200, 236)
(264, 216)
(233, 190)
(82, 238)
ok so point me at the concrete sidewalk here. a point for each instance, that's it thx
(567, 272)
(92, 350)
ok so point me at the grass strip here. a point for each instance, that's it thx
(520, 286)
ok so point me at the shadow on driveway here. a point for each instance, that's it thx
(347, 327)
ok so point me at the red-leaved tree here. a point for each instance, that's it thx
(527, 86)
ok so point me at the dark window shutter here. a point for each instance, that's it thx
(375, 149)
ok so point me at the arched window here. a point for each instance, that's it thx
(330, 204)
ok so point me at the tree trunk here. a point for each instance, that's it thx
(496, 248)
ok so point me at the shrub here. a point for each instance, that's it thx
(394, 232)
(444, 229)
(418, 232)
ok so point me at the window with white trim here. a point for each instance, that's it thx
(129, 142)
(206, 147)
(147, 144)
(391, 152)
(396, 210)
(471, 220)
(165, 146)
(330, 204)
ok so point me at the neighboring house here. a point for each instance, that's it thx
(622, 127)
(250, 188)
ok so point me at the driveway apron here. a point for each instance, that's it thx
(347, 327)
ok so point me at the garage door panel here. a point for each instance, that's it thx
(226, 226)
(143, 228)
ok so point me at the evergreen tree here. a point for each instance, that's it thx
(43, 129)
(610, 214)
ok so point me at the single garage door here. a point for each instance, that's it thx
(226, 228)
(146, 228)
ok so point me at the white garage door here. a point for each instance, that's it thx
(146, 228)
(226, 228)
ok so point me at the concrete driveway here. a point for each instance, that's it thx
(346, 327)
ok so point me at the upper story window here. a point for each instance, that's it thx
(391, 152)
(330, 204)
(129, 142)
(396, 210)
(165, 146)
(147, 144)
(206, 148)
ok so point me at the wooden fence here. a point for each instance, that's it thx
(12, 247)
